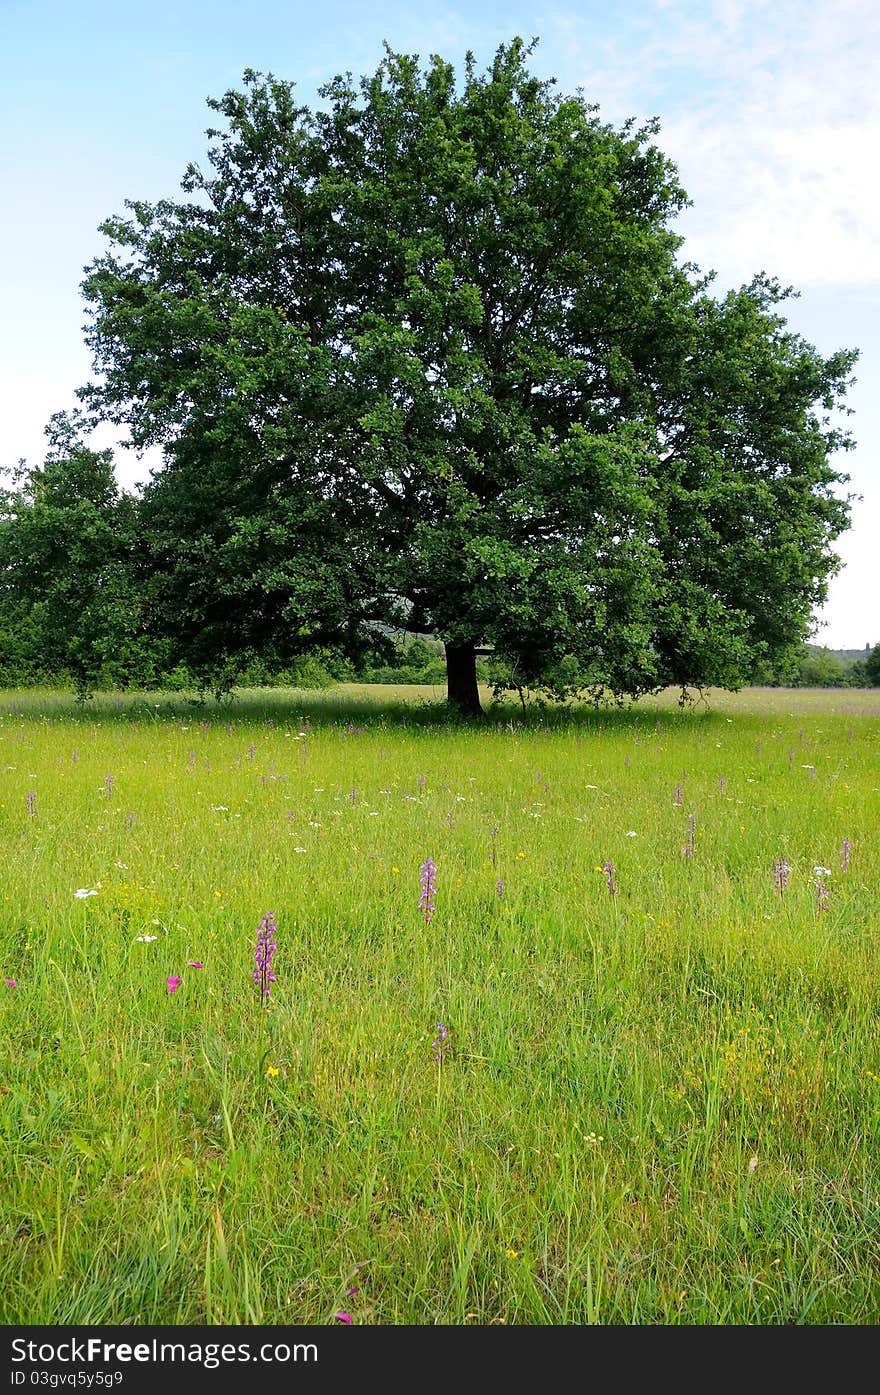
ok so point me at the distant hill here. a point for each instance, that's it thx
(846, 656)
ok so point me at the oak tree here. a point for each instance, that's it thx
(428, 357)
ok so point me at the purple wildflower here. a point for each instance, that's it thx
(781, 870)
(438, 1045)
(343, 1317)
(678, 796)
(499, 887)
(845, 850)
(610, 876)
(688, 848)
(173, 983)
(108, 784)
(722, 784)
(428, 883)
(11, 981)
(130, 819)
(821, 896)
(263, 975)
(31, 801)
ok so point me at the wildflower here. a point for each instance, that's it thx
(722, 783)
(428, 884)
(350, 1292)
(499, 887)
(438, 1045)
(631, 833)
(263, 975)
(193, 963)
(520, 856)
(511, 1253)
(821, 896)
(343, 1317)
(12, 982)
(83, 892)
(688, 849)
(610, 876)
(145, 939)
(173, 983)
(31, 801)
(845, 849)
(108, 785)
(272, 1070)
(130, 820)
(781, 870)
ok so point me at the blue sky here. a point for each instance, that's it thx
(770, 108)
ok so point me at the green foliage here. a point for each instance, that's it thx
(68, 571)
(821, 667)
(413, 660)
(872, 667)
(428, 357)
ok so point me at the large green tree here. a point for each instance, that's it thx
(428, 356)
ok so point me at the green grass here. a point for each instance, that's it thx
(657, 1106)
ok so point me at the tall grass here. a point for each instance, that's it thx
(660, 1105)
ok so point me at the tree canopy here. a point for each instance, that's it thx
(428, 357)
(68, 570)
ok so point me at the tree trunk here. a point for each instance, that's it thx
(461, 680)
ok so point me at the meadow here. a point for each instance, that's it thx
(574, 1013)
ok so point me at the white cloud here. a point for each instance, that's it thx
(772, 114)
